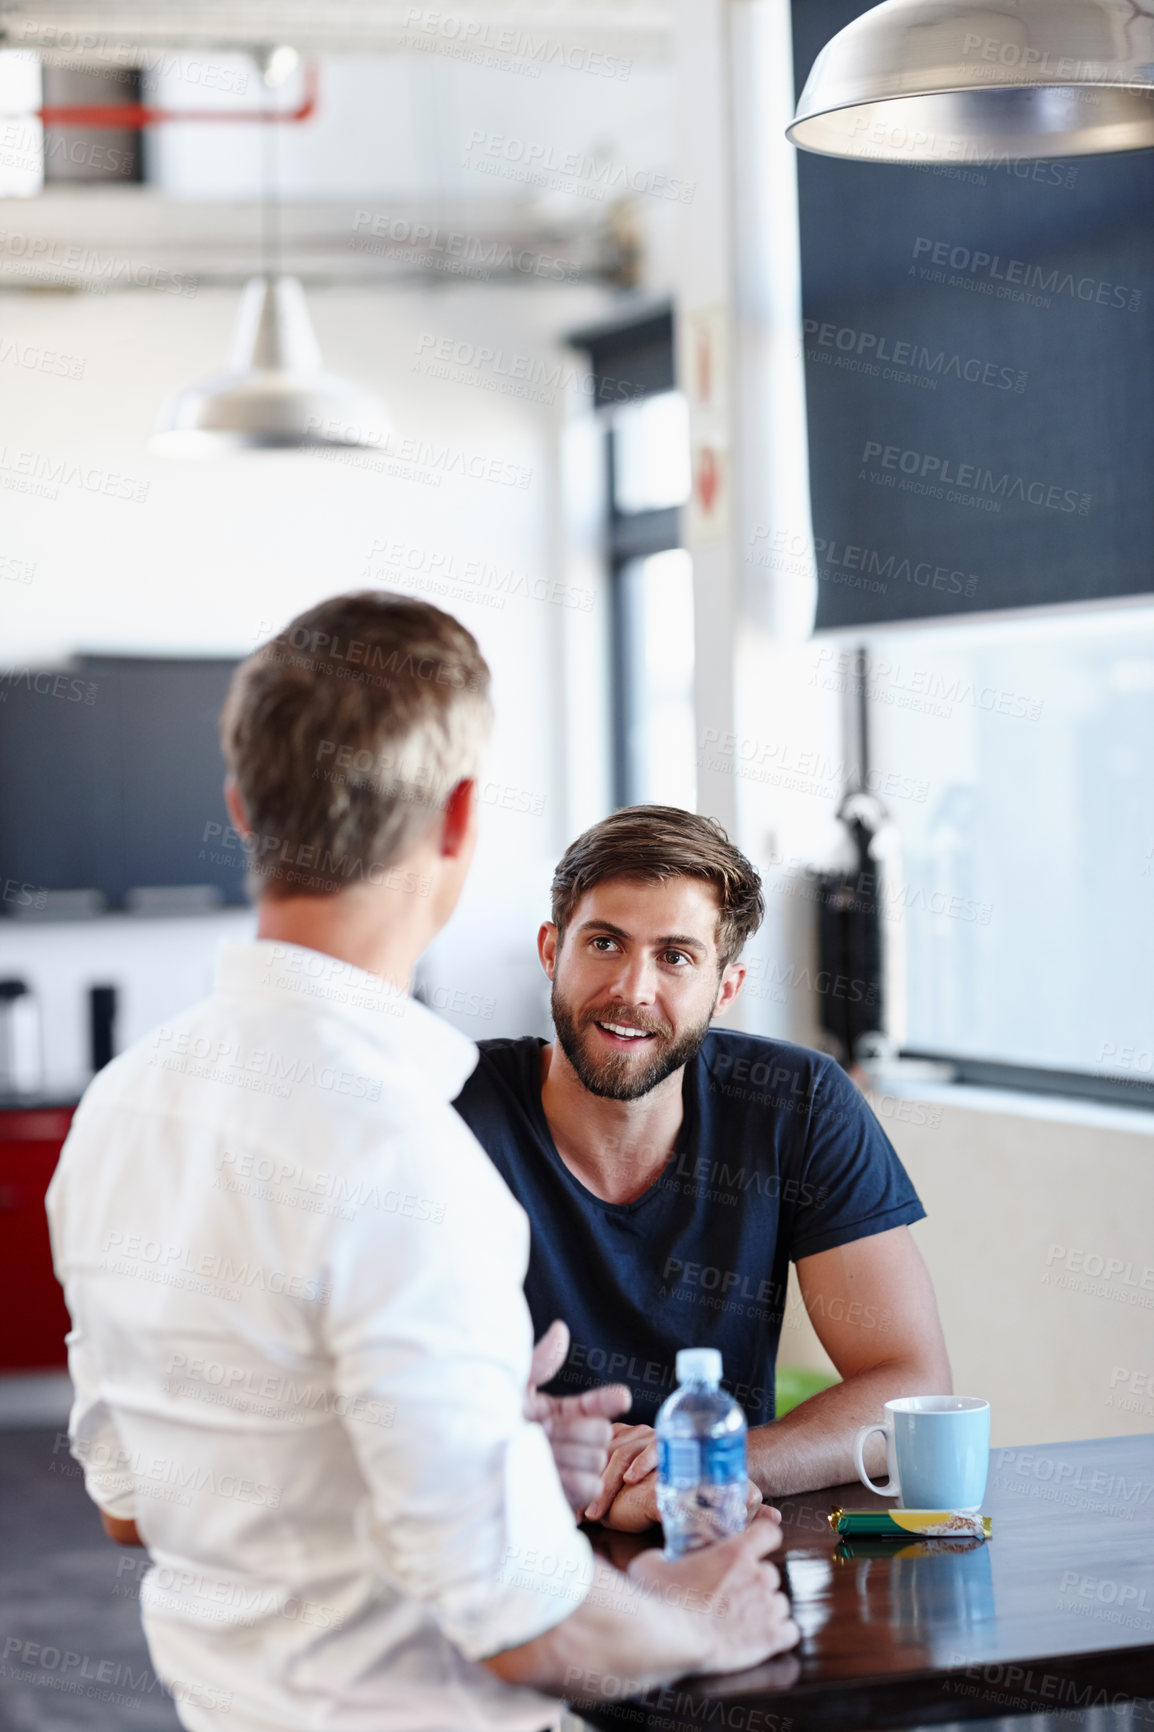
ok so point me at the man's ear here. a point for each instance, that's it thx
(548, 944)
(458, 818)
(235, 806)
(732, 977)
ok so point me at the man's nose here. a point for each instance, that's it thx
(636, 981)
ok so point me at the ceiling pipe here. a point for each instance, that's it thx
(129, 115)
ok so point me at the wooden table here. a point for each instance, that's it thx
(1054, 1614)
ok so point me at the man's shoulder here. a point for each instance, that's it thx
(278, 1072)
(281, 1080)
(753, 1079)
(506, 1061)
(502, 1046)
(121, 1078)
(724, 1048)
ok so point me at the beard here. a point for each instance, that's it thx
(617, 1076)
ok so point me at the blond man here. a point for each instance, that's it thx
(304, 1367)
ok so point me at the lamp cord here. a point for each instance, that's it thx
(270, 226)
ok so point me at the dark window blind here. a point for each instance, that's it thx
(630, 356)
(979, 346)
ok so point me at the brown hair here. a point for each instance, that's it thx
(654, 843)
(346, 734)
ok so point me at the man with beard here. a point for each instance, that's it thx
(671, 1170)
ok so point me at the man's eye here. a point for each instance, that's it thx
(603, 941)
(675, 954)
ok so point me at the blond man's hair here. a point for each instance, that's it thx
(347, 732)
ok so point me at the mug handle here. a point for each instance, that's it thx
(891, 1488)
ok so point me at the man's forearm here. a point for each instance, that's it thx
(812, 1447)
(618, 1642)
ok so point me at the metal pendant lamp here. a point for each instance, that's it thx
(932, 81)
(275, 395)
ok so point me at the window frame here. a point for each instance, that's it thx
(636, 354)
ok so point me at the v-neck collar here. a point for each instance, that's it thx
(685, 1135)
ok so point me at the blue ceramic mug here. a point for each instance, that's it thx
(937, 1451)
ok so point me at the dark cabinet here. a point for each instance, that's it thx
(33, 1317)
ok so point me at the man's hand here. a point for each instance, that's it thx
(577, 1426)
(627, 1501)
(719, 1609)
(733, 1589)
(123, 1532)
(629, 1443)
(635, 1507)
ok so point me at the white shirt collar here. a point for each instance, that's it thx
(272, 972)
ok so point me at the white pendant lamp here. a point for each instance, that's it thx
(275, 395)
(930, 81)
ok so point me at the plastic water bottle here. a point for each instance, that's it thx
(701, 1476)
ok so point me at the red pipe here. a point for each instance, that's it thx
(129, 116)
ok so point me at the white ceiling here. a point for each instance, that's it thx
(639, 28)
(414, 109)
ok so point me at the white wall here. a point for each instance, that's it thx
(217, 554)
(1038, 1239)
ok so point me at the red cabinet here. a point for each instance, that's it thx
(33, 1317)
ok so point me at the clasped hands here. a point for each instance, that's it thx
(620, 1492)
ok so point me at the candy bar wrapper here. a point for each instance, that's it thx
(901, 1524)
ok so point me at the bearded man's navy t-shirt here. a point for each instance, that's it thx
(778, 1157)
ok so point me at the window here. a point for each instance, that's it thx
(656, 613)
(651, 454)
(1014, 760)
(647, 457)
(649, 478)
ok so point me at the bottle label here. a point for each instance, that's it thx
(701, 1461)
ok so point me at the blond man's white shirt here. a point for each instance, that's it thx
(300, 1349)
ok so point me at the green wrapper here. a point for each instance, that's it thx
(905, 1524)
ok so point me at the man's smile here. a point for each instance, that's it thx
(620, 1035)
